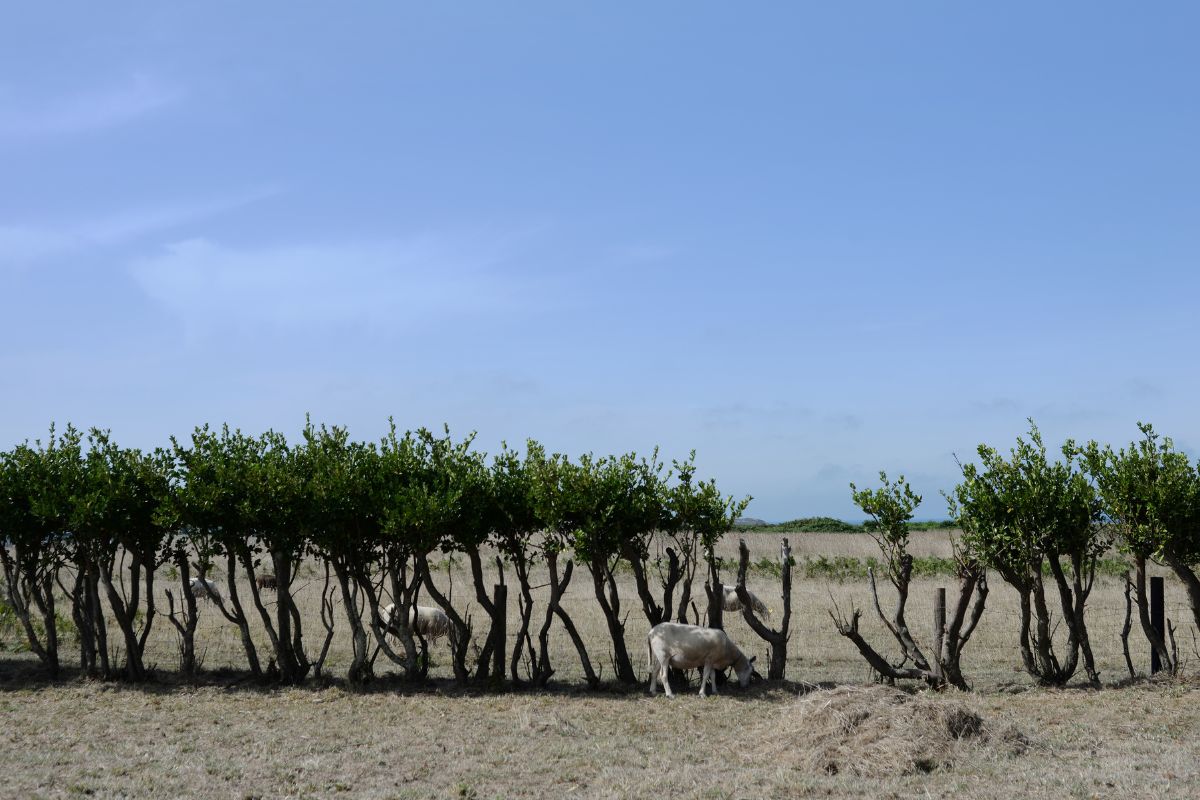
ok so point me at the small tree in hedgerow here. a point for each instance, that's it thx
(613, 506)
(1031, 519)
(1151, 494)
(711, 515)
(32, 546)
(271, 497)
(891, 507)
(454, 514)
(56, 501)
(683, 502)
(518, 536)
(554, 503)
(343, 509)
(118, 511)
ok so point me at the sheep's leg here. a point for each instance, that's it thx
(703, 678)
(664, 669)
(712, 678)
(654, 670)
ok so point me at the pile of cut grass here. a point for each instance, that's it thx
(879, 731)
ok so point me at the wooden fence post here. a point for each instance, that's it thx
(500, 600)
(939, 629)
(1157, 619)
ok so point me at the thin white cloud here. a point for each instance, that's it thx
(388, 283)
(100, 108)
(22, 245)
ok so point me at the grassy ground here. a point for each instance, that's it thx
(82, 739)
(828, 734)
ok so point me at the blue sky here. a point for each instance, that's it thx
(809, 240)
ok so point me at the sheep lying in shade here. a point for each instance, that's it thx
(672, 644)
(204, 589)
(432, 623)
(732, 603)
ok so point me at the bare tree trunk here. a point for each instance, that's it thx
(1028, 657)
(972, 582)
(1127, 627)
(327, 621)
(134, 670)
(460, 634)
(716, 595)
(288, 620)
(151, 608)
(1078, 569)
(1071, 598)
(650, 607)
(404, 597)
(554, 608)
(185, 628)
(399, 623)
(525, 608)
(83, 623)
(778, 639)
(95, 614)
(1190, 582)
(20, 585)
(849, 629)
(605, 587)
(84, 611)
(484, 662)
(674, 575)
(1048, 668)
(238, 615)
(284, 631)
(898, 625)
(685, 593)
(946, 666)
(359, 672)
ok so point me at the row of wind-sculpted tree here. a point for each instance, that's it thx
(85, 519)
(1042, 525)
(97, 524)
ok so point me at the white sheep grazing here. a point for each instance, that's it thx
(732, 603)
(204, 589)
(432, 623)
(673, 644)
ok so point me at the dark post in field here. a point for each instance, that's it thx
(499, 630)
(939, 629)
(1157, 619)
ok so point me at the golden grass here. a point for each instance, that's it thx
(89, 739)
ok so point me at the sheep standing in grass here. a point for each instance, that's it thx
(432, 623)
(204, 589)
(672, 644)
(731, 601)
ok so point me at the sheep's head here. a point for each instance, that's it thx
(744, 667)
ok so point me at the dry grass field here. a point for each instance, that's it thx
(827, 732)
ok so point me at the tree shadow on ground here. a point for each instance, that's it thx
(19, 673)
